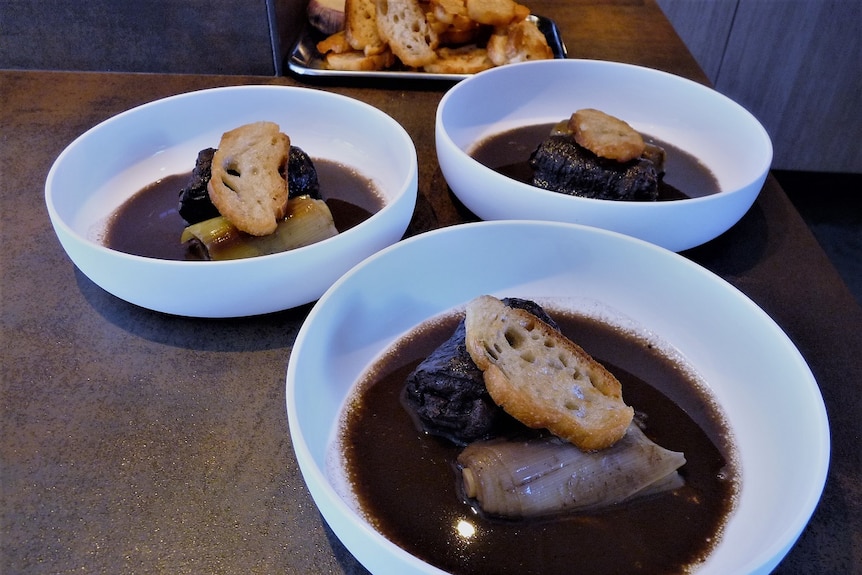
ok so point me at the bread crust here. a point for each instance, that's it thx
(246, 184)
(543, 379)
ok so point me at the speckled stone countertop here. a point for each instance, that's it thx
(137, 442)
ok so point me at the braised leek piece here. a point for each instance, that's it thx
(546, 476)
(307, 221)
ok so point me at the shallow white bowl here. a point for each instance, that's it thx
(770, 398)
(716, 130)
(106, 165)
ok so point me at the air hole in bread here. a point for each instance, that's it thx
(528, 357)
(492, 351)
(514, 338)
(228, 186)
(231, 167)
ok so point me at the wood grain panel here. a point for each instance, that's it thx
(797, 65)
(704, 26)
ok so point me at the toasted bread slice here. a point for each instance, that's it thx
(246, 185)
(450, 20)
(468, 59)
(518, 42)
(606, 136)
(496, 12)
(361, 26)
(336, 43)
(403, 25)
(327, 16)
(542, 379)
(357, 61)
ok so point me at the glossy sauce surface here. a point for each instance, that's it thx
(149, 225)
(406, 481)
(509, 152)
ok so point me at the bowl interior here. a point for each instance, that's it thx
(722, 134)
(771, 401)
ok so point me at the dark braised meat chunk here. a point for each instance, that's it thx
(301, 175)
(561, 165)
(446, 392)
(195, 204)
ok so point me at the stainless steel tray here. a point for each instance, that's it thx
(305, 60)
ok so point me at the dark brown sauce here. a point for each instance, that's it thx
(508, 153)
(149, 225)
(406, 481)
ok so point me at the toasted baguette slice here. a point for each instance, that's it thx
(246, 185)
(467, 59)
(335, 43)
(402, 24)
(518, 42)
(357, 61)
(496, 12)
(361, 26)
(605, 135)
(542, 379)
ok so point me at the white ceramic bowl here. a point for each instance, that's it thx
(106, 165)
(719, 132)
(767, 392)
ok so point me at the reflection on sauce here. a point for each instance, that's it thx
(508, 153)
(149, 225)
(406, 482)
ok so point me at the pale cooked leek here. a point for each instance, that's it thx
(307, 221)
(547, 476)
